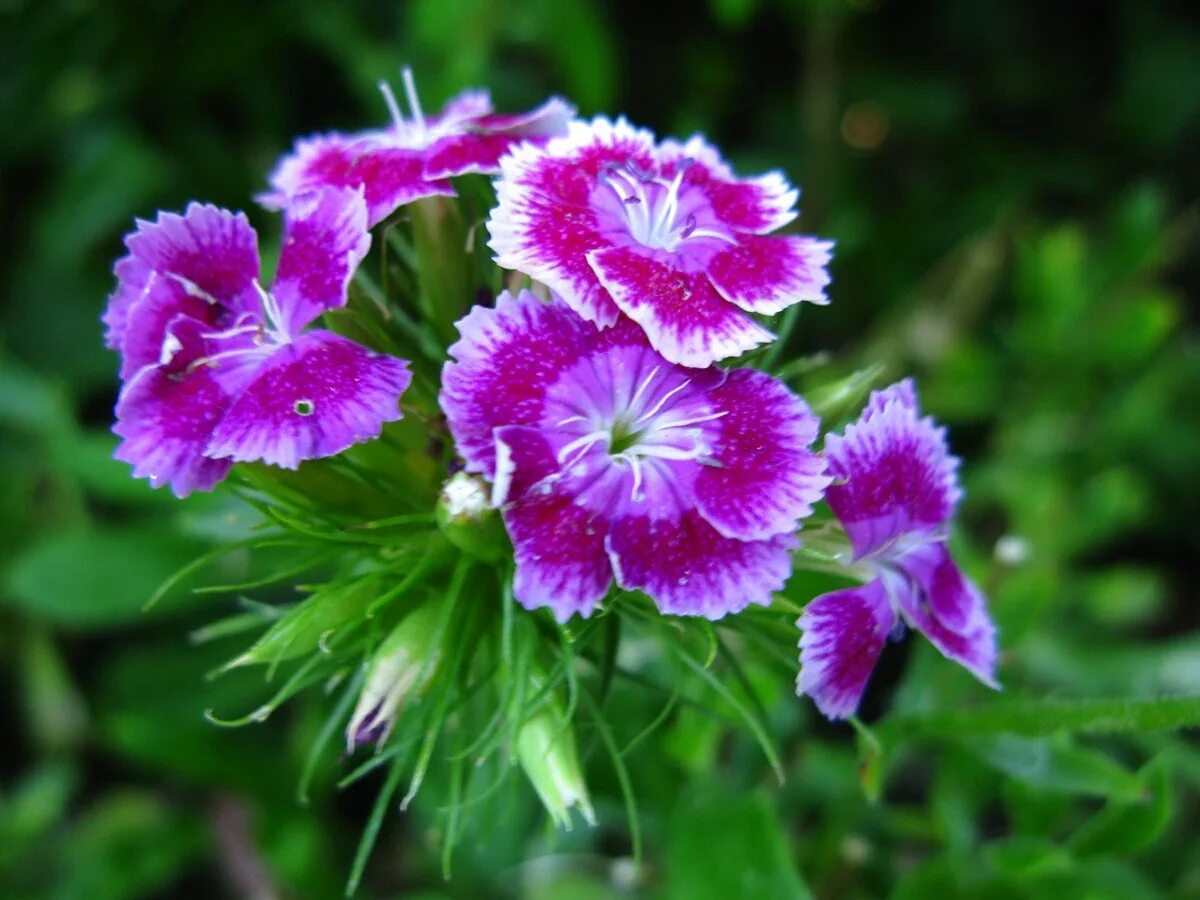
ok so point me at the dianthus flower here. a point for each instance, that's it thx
(664, 233)
(414, 157)
(219, 369)
(895, 491)
(609, 461)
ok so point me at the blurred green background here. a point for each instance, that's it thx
(1013, 189)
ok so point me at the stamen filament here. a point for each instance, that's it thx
(662, 401)
(414, 103)
(393, 107)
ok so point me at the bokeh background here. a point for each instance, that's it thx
(1013, 189)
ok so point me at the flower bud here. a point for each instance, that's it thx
(466, 517)
(393, 675)
(546, 751)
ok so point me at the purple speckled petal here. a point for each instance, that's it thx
(842, 636)
(945, 606)
(388, 176)
(480, 147)
(757, 205)
(767, 478)
(897, 472)
(325, 237)
(133, 274)
(503, 363)
(558, 544)
(165, 419)
(311, 398)
(684, 318)
(689, 569)
(210, 251)
(766, 275)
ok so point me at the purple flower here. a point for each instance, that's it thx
(664, 233)
(895, 492)
(219, 370)
(609, 461)
(413, 157)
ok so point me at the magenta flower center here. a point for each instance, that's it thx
(633, 418)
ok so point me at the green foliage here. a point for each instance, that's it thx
(1013, 229)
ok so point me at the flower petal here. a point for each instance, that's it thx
(768, 274)
(165, 421)
(945, 606)
(311, 398)
(133, 274)
(902, 392)
(842, 636)
(551, 119)
(757, 205)
(543, 224)
(558, 544)
(486, 138)
(898, 474)
(210, 251)
(689, 569)
(767, 478)
(684, 318)
(325, 237)
(503, 363)
(162, 300)
(388, 176)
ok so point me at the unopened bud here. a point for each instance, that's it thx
(400, 668)
(466, 517)
(547, 753)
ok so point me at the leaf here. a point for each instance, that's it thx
(1058, 766)
(95, 579)
(1043, 717)
(723, 844)
(1126, 826)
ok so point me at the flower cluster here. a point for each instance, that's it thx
(585, 407)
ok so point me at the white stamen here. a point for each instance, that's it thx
(635, 466)
(582, 443)
(414, 103)
(393, 107)
(273, 315)
(659, 405)
(693, 421)
(637, 395)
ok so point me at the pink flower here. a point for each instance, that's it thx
(414, 157)
(219, 369)
(896, 492)
(662, 232)
(608, 462)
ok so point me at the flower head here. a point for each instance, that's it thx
(665, 233)
(415, 156)
(895, 493)
(609, 461)
(221, 370)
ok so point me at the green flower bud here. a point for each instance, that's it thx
(466, 517)
(393, 675)
(546, 751)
